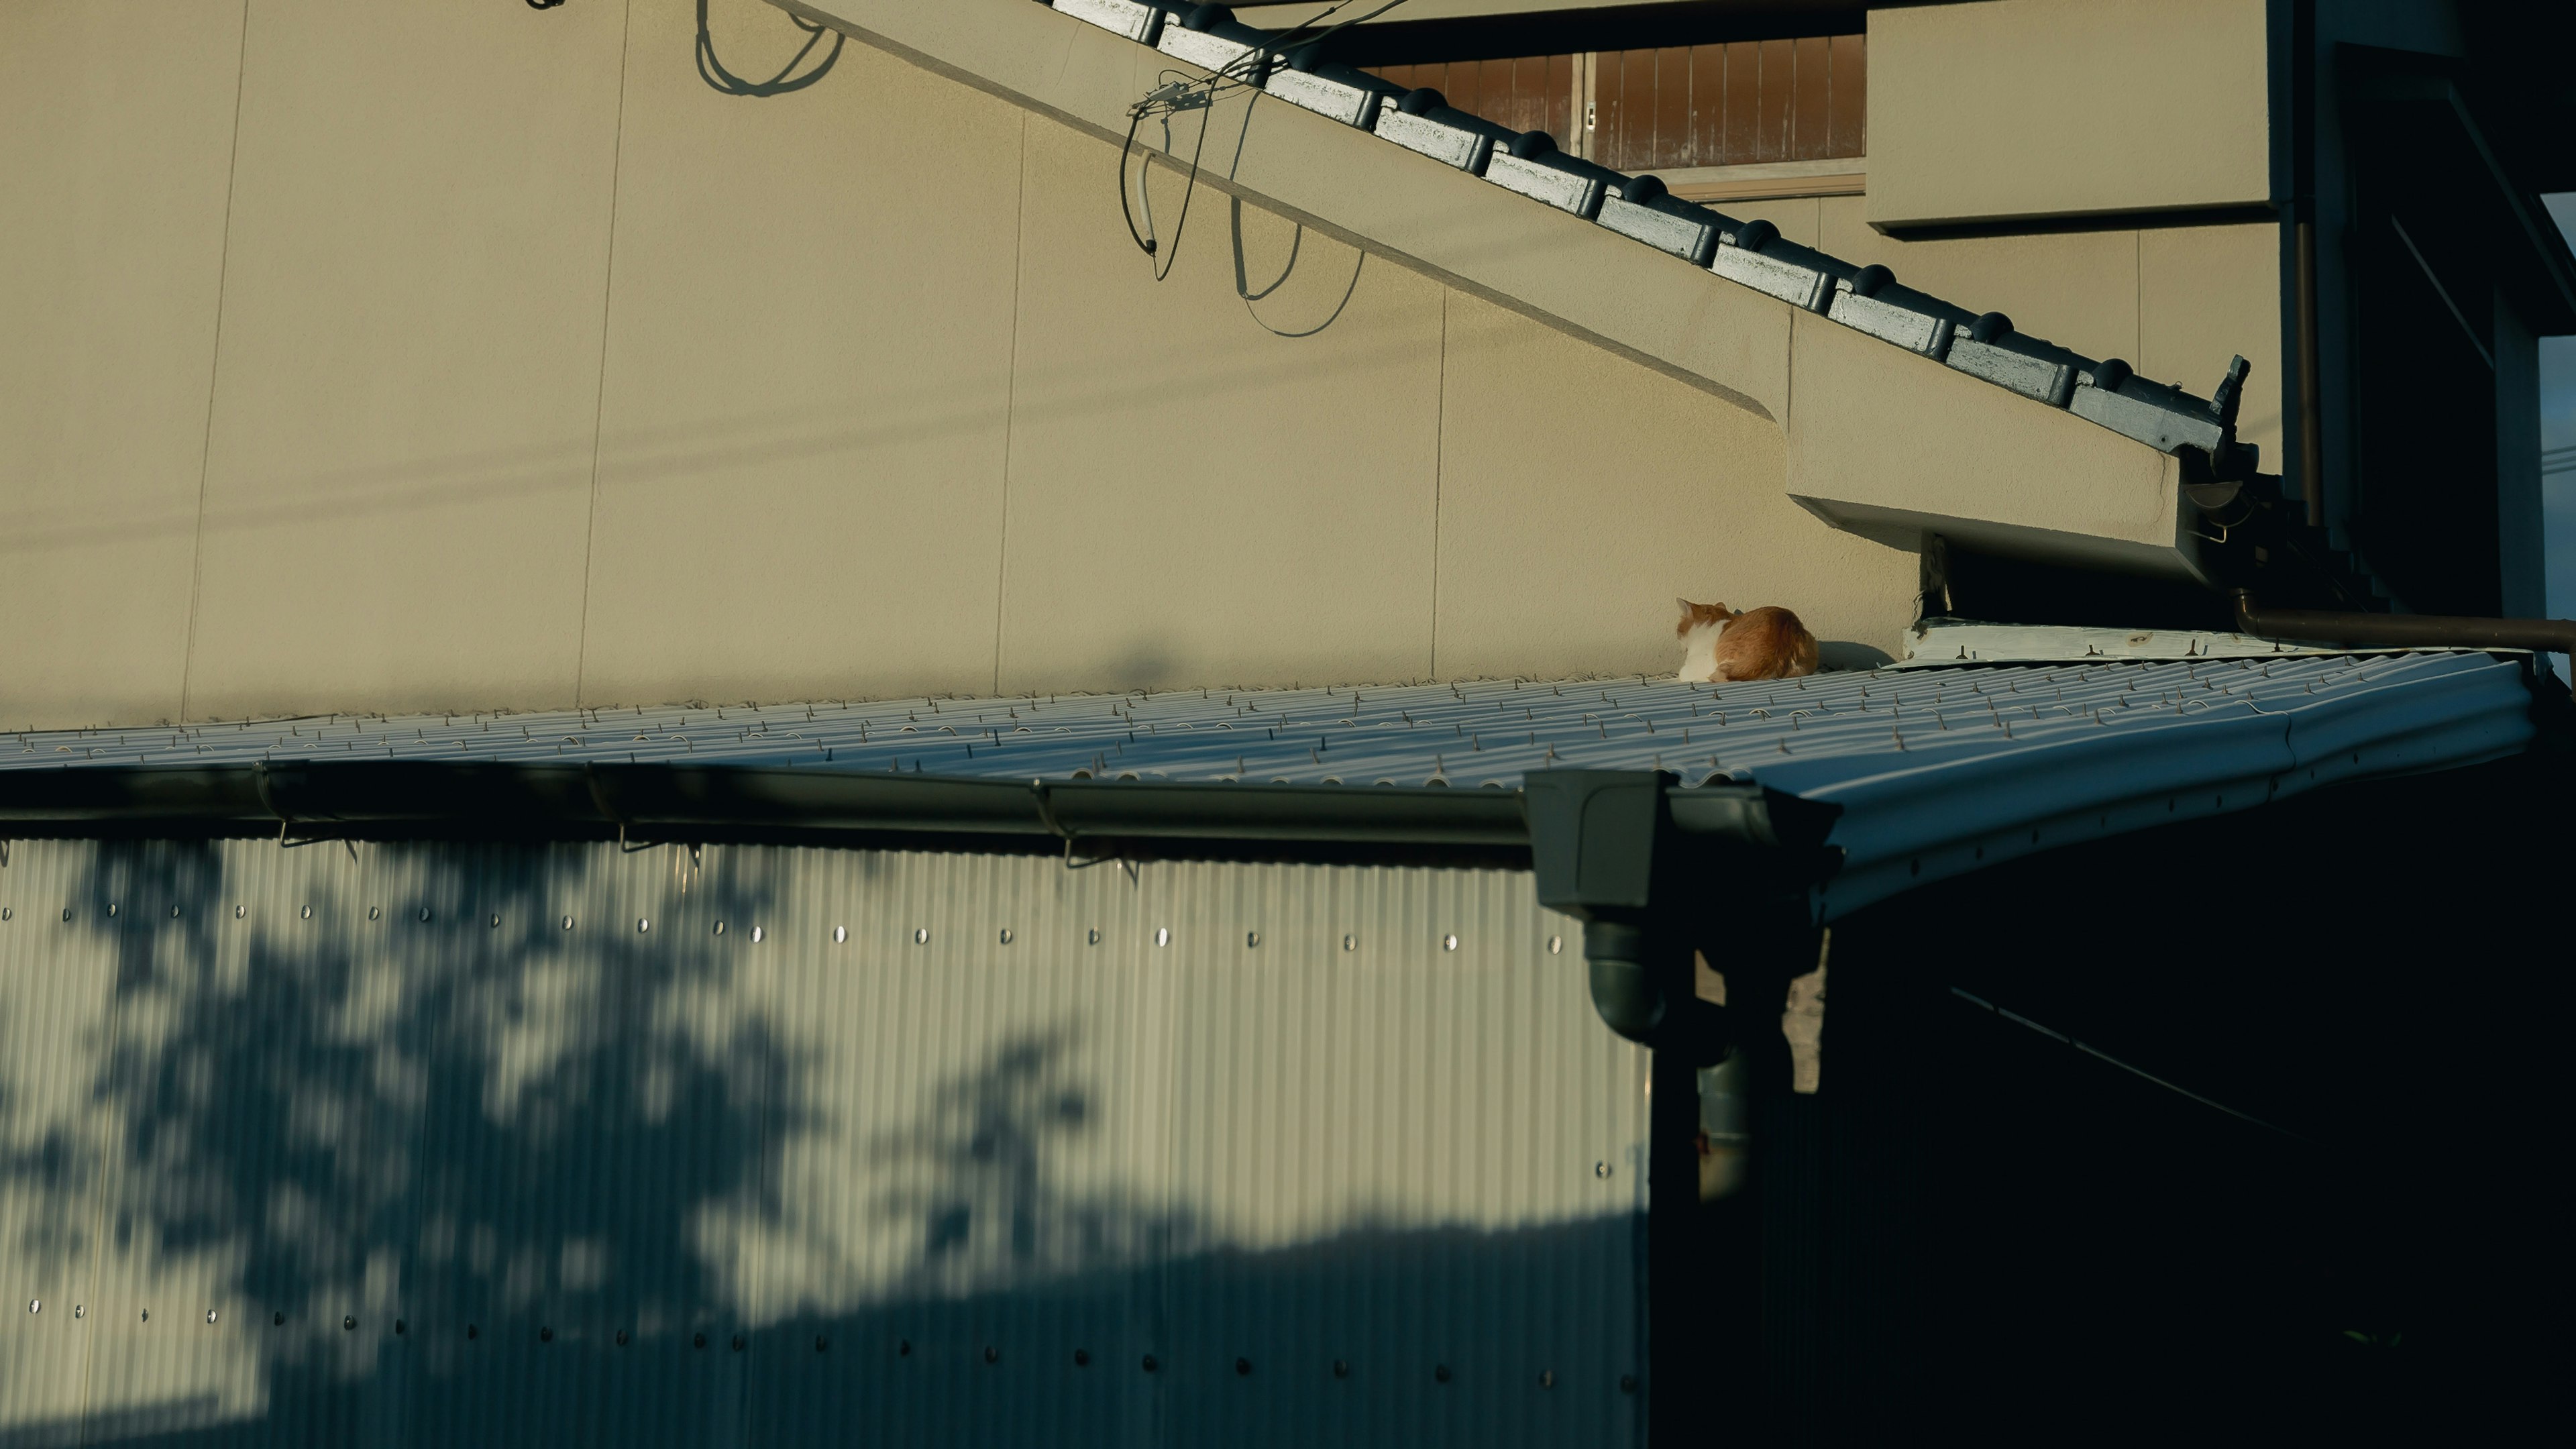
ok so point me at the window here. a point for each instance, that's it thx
(1677, 108)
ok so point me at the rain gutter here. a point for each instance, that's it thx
(394, 798)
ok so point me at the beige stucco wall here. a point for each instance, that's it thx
(527, 370)
(2032, 108)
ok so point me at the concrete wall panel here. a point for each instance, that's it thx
(808, 375)
(1194, 499)
(116, 133)
(399, 470)
(2025, 108)
(1581, 492)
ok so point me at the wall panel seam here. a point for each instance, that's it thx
(599, 391)
(214, 370)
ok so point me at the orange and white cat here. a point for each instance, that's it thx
(1719, 644)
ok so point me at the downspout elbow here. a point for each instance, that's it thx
(1623, 989)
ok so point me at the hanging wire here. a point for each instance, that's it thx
(1175, 93)
(2100, 1055)
(712, 70)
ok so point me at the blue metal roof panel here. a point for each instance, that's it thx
(1927, 763)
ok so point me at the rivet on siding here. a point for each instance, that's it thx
(111, 908)
(308, 913)
(1251, 940)
(1341, 1368)
(1151, 1364)
(80, 1310)
(348, 1323)
(1095, 936)
(401, 1328)
(212, 1315)
(697, 1340)
(1082, 1358)
(920, 937)
(174, 913)
(719, 928)
(374, 913)
(1627, 1383)
(424, 913)
(821, 1343)
(472, 1332)
(642, 924)
(567, 923)
(992, 1354)
(1162, 935)
(737, 1343)
(277, 1320)
(1440, 1372)
(67, 913)
(1006, 935)
(6, 913)
(1555, 945)
(545, 1335)
(496, 923)
(1448, 943)
(621, 1338)
(1547, 1379)
(35, 1305)
(1601, 1169)
(1243, 1368)
(840, 933)
(1350, 943)
(240, 911)
(756, 934)
(903, 1348)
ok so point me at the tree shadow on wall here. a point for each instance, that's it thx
(395, 1130)
(975, 1179)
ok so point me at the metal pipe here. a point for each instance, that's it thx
(2323, 626)
(2312, 432)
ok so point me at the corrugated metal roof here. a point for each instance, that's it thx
(1928, 763)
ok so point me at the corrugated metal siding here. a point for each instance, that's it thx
(913, 1167)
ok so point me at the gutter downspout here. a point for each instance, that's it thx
(2321, 626)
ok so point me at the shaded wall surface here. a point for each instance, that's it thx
(399, 358)
(447, 1144)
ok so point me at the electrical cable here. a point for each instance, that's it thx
(712, 70)
(1179, 93)
(2101, 1055)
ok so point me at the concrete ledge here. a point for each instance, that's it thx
(1889, 444)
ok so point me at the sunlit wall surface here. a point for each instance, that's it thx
(448, 1144)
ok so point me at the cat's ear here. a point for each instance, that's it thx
(1688, 608)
